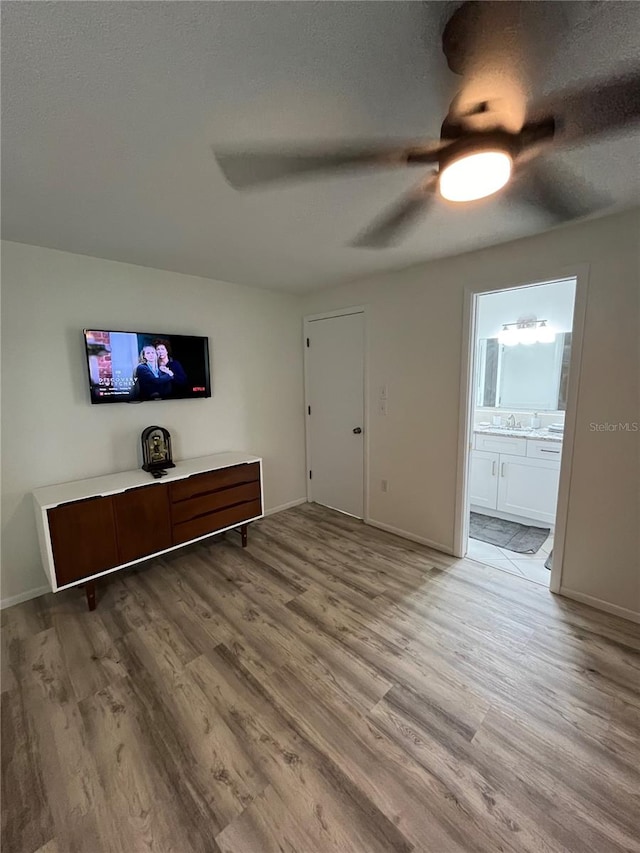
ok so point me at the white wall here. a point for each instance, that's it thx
(50, 431)
(552, 302)
(415, 319)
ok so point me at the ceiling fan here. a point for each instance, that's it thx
(488, 141)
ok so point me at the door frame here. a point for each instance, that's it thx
(306, 327)
(580, 272)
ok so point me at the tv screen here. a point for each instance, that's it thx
(127, 367)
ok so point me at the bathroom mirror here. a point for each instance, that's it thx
(529, 377)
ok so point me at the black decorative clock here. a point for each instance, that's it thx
(156, 450)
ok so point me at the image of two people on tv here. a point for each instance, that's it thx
(158, 374)
(130, 366)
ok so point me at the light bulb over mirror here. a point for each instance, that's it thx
(546, 335)
(508, 336)
(526, 332)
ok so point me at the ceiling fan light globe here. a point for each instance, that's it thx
(475, 175)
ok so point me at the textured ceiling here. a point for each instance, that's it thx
(111, 109)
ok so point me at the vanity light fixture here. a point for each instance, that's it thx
(545, 334)
(508, 335)
(530, 331)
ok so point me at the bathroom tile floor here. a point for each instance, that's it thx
(529, 566)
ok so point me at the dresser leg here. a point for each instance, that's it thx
(243, 534)
(90, 589)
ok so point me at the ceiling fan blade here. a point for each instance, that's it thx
(390, 226)
(244, 169)
(558, 192)
(601, 107)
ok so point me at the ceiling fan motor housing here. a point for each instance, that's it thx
(477, 143)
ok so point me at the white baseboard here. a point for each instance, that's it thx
(24, 596)
(600, 604)
(282, 507)
(437, 546)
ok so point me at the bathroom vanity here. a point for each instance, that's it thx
(515, 474)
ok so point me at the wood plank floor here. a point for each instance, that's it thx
(330, 688)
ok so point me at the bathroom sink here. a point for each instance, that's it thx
(502, 429)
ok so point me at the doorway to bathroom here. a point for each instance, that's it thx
(520, 363)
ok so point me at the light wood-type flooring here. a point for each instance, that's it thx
(330, 688)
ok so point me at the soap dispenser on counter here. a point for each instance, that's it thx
(535, 421)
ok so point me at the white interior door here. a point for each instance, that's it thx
(335, 395)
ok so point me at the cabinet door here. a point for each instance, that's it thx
(483, 480)
(142, 522)
(529, 487)
(83, 539)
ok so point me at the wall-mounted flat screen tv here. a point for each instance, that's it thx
(127, 367)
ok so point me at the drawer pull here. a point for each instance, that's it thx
(213, 481)
(80, 501)
(204, 525)
(493, 468)
(544, 450)
(199, 505)
(502, 469)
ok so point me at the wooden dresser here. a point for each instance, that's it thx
(90, 528)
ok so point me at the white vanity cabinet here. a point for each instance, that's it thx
(483, 479)
(528, 487)
(523, 483)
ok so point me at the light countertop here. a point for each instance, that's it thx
(524, 432)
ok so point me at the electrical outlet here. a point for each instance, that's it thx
(384, 485)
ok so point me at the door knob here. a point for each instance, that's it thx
(357, 431)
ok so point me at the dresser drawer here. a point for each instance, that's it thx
(213, 501)
(201, 484)
(501, 444)
(551, 450)
(213, 521)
